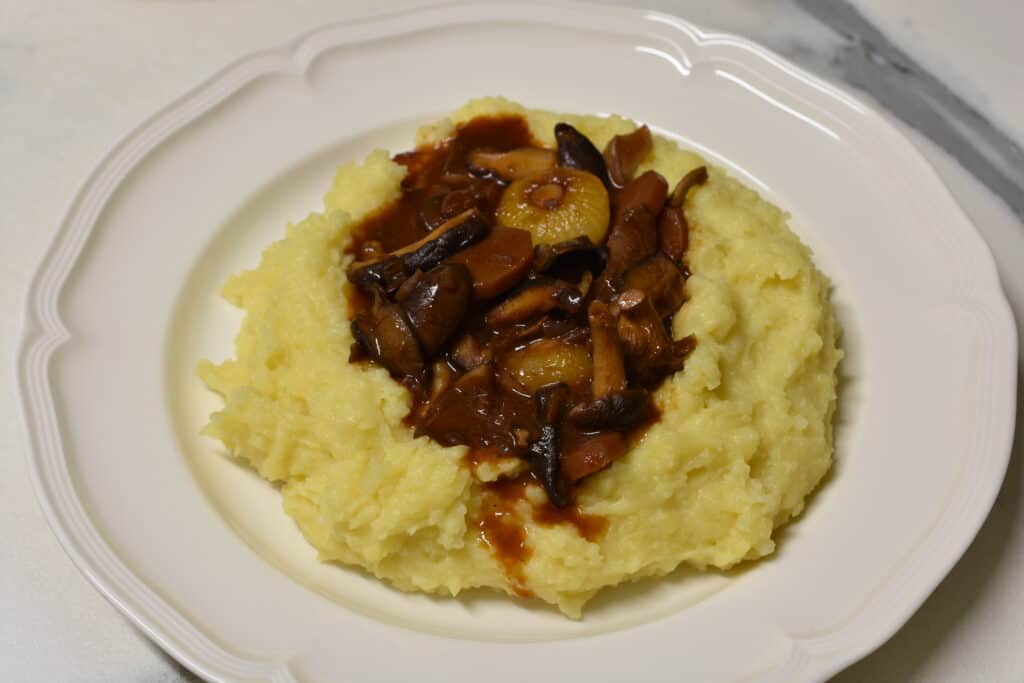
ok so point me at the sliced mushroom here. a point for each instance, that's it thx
(497, 263)
(673, 233)
(550, 256)
(385, 334)
(534, 299)
(591, 454)
(441, 376)
(552, 327)
(660, 279)
(480, 195)
(625, 152)
(647, 189)
(632, 239)
(609, 371)
(650, 352)
(436, 303)
(619, 410)
(387, 274)
(695, 177)
(450, 237)
(456, 410)
(513, 164)
(545, 451)
(575, 150)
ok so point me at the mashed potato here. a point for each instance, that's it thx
(745, 433)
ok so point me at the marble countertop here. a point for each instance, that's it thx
(74, 77)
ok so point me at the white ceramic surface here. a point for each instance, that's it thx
(196, 192)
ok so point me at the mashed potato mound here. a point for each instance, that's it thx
(745, 433)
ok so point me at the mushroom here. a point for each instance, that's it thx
(386, 274)
(591, 454)
(441, 376)
(478, 195)
(660, 279)
(450, 237)
(384, 332)
(497, 263)
(609, 372)
(625, 152)
(545, 451)
(435, 304)
(673, 233)
(617, 411)
(580, 249)
(453, 414)
(695, 177)
(632, 239)
(575, 150)
(650, 352)
(535, 298)
(647, 189)
(513, 164)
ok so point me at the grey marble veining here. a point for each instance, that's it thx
(870, 62)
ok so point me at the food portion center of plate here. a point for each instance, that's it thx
(540, 353)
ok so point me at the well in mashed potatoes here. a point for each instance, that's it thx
(744, 436)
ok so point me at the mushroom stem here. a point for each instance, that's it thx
(534, 300)
(695, 177)
(625, 152)
(513, 164)
(609, 371)
(545, 451)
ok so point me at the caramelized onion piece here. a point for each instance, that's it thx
(625, 152)
(543, 363)
(556, 206)
(575, 150)
(513, 164)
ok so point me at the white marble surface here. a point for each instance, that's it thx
(75, 76)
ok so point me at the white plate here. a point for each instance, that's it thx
(197, 551)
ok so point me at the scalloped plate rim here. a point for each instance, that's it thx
(43, 332)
